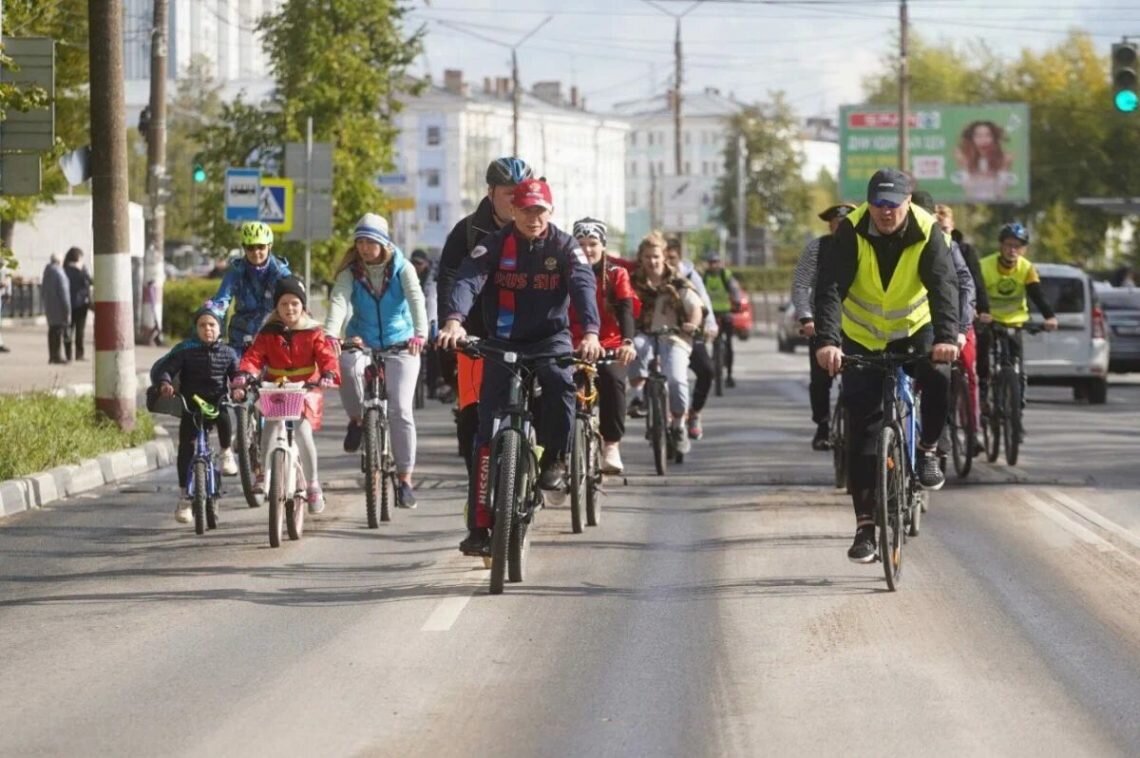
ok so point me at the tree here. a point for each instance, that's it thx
(775, 193)
(1057, 236)
(342, 63)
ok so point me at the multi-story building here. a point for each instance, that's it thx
(450, 133)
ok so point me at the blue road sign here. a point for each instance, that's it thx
(242, 194)
(389, 179)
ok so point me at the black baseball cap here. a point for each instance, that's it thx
(836, 211)
(889, 185)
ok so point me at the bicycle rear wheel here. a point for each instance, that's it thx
(248, 452)
(593, 478)
(578, 475)
(658, 428)
(1011, 426)
(277, 496)
(961, 426)
(839, 444)
(890, 490)
(199, 496)
(504, 490)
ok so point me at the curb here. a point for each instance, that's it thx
(37, 490)
(83, 389)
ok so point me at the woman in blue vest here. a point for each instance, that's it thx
(377, 291)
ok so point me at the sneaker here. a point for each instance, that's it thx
(229, 463)
(730, 382)
(822, 438)
(477, 544)
(352, 437)
(862, 550)
(611, 459)
(553, 477)
(182, 512)
(316, 500)
(929, 470)
(695, 431)
(637, 408)
(683, 444)
(405, 497)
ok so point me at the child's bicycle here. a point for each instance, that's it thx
(286, 481)
(205, 476)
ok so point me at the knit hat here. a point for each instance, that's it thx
(207, 311)
(372, 226)
(290, 285)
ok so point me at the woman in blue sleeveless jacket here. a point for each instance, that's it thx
(377, 291)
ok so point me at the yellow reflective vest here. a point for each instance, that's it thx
(873, 316)
(1006, 289)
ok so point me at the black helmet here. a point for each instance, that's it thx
(1017, 231)
(507, 172)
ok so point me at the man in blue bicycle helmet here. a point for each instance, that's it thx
(250, 282)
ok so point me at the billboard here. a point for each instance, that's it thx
(958, 153)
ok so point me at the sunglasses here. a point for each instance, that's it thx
(884, 204)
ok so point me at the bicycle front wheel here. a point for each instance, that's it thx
(658, 427)
(961, 426)
(248, 452)
(890, 493)
(200, 496)
(593, 478)
(1011, 428)
(578, 475)
(519, 543)
(277, 497)
(373, 477)
(839, 444)
(504, 491)
(295, 517)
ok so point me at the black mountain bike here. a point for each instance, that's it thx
(376, 460)
(513, 494)
(1006, 394)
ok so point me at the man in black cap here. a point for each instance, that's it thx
(887, 284)
(803, 290)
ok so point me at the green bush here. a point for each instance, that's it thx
(180, 299)
(39, 431)
(764, 279)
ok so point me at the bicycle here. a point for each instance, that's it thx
(205, 476)
(376, 460)
(585, 447)
(898, 494)
(718, 355)
(961, 423)
(512, 494)
(248, 446)
(1006, 394)
(663, 438)
(287, 488)
(837, 437)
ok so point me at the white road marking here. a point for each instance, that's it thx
(1084, 534)
(1093, 516)
(446, 614)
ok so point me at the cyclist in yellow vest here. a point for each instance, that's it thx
(1011, 281)
(725, 295)
(887, 284)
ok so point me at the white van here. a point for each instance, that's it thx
(1076, 355)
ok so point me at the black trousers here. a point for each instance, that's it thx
(724, 320)
(57, 337)
(863, 398)
(611, 401)
(78, 326)
(819, 388)
(187, 433)
(700, 363)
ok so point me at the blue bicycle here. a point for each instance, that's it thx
(205, 475)
(899, 497)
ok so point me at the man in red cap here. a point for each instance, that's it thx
(528, 272)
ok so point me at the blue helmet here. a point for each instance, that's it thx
(1016, 231)
(507, 172)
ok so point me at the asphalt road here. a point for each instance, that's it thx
(712, 613)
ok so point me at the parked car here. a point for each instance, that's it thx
(1122, 311)
(1077, 354)
(788, 335)
(742, 321)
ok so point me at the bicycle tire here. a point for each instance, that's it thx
(718, 365)
(199, 496)
(593, 479)
(991, 425)
(890, 486)
(578, 475)
(504, 484)
(914, 513)
(839, 444)
(247, 454)
(1011, 428)
(295, 517)
(277, 497)
(519, 543)
(212, 512)
(961, 426)
(387, 475)
(658, 430)
(373, 479)
(419, 398)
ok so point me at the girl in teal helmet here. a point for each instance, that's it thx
(249, 283)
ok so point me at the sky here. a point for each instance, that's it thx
(817, 52)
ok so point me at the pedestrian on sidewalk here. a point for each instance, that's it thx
(79, 281)
(5, 293)
(56, 296)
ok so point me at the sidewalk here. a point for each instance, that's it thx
(26, 367)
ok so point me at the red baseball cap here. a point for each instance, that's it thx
(532, 192)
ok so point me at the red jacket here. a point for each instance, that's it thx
(296, 355)
(617, 288)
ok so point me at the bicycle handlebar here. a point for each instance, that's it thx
(396, 349)
(885, 361)
(999, 328)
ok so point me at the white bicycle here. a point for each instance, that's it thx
(286, 479)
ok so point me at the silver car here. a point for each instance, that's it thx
(1122, 309)
(788, 335)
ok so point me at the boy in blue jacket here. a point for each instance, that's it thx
(250, 283)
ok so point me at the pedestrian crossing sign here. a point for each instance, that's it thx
(275, 205)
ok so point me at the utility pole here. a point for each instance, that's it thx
(308, 203)
(114, 352)
(516, 86)
(741, 208)
(677, 74)
(904, 91)
(154, 269)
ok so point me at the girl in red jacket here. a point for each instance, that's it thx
(291, 346)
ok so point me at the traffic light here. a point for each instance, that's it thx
(1126, 98)
(199, 173)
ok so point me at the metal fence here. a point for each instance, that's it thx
(24, 301)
